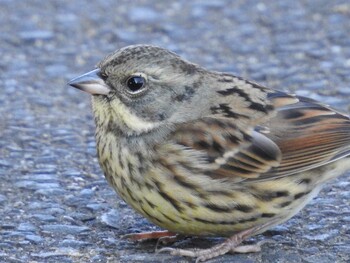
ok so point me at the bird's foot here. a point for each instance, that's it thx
(230, 245)
(253, 248)
(160, 235)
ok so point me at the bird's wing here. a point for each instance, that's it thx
(303, 134)
(224, 151)
(308, 133)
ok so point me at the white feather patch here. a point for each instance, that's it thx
(130, 120)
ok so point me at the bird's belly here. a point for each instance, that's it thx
(180, 210)
(206, 206)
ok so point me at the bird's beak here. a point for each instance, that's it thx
(91, 82)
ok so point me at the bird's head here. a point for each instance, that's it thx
(140, 88)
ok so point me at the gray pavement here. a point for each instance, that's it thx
(55, 205)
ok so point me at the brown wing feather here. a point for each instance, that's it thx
(302, 135)
(228, 151)
(308, 133)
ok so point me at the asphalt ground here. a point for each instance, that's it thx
(55, 205)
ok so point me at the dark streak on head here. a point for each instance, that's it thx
(187, 95)
(113, 128)
(161, 117)
(226, 80)
(187, 68)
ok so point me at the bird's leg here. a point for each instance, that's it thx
(150, 235)
(229, 245)
(165, 240)
(250, 248)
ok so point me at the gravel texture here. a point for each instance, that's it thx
(55, 205)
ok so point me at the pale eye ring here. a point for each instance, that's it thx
(135, 84)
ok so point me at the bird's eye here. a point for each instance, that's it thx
(135, 84)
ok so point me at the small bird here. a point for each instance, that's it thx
(205, 153)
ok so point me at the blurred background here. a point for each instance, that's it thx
(55, 205)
